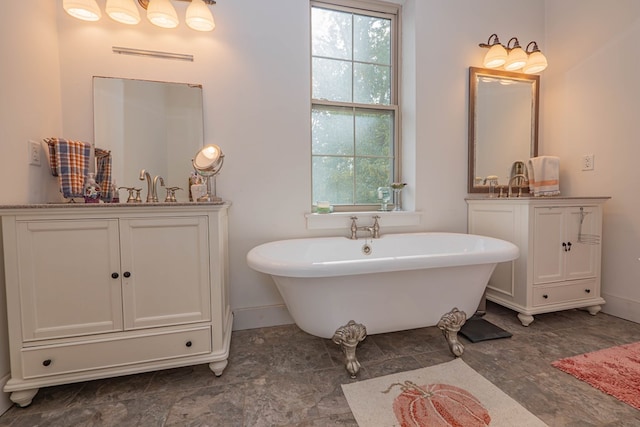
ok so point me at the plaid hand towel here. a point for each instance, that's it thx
(103, 173)
(69, 161)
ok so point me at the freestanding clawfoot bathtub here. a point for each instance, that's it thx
(394, 283)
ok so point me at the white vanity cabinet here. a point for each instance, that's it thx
(560, 250)
(94, 292)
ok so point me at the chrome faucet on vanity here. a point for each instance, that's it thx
(521, 183)
(373, 229)
(152, 185)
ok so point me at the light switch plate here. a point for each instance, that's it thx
(34, 153)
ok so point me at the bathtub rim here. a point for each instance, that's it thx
(507, 251)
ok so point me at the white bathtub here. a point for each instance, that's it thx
(407, 281)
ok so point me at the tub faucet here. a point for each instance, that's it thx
(145, 175)
(373, 229)
(516, 176)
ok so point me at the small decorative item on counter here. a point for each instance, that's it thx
(323, 207)
(91, 189)
(397, 195)
(194, 179)
(115, 197)
(384, 195)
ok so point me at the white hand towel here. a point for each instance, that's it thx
(544, 175)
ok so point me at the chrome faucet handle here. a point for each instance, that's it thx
(375, 229)
(131, 198)
(171, 194)
(137, 199)
(354, 228)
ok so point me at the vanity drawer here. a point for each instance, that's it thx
(543, 295)
(112, 352)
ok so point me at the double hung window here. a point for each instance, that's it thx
(354, 111)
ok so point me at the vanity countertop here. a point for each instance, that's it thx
(81, 205)
(549, 199)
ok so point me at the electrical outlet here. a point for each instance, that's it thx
(587, 162)
(34, 153)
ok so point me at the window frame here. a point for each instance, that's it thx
(373, 8)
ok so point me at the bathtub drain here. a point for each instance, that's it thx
(366, 249)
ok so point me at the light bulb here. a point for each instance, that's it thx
(87, 10)
(536, 63)
(516, 60)
(496, 56)
(162, 13)
(199, 16)
(123, 11)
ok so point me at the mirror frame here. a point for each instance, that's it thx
(474, 74)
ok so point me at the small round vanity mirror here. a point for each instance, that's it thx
(207, 163)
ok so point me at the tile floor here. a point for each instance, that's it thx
(281, 376)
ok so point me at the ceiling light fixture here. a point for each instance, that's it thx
(512, 57)
(159, 12)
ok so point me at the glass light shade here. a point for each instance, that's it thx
(87, 10)
(199, 16)
(496, 57)
(516, 60)
(162, 13)
(123, 11)
(536, 63)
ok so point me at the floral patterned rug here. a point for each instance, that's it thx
(615, 371)
(447, 395)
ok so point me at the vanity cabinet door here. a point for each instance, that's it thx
(559, 252)
(165, 264)
(69, 277)
(582, 258)
(548, 252)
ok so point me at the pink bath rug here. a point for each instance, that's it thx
(615, 371)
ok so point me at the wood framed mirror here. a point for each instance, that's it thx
(503, 124)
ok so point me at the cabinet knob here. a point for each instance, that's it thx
(568, 246)
(46, 362)
(545, 296)
(564, 245)
(588, 291)
(115, 275)
(188, 344)
(126, 274)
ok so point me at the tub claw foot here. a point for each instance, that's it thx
(450, 325)
(348, 337)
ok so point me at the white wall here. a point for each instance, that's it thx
(29, 109)
(590, 93)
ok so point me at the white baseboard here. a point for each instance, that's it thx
(624, 308)
(261, 317)
(5, 403)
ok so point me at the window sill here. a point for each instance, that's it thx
(342, 220)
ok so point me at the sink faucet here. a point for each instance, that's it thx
(155, 186)
(145, 175)
(524, 179)
(373, 229)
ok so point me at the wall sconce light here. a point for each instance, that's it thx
(159, 12)
(513, 57)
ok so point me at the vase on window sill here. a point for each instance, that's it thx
(397, 195)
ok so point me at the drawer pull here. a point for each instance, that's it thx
(545, 296)
(46, 362)
(564, 245)
(127, 274)
(588, 291)
(115, 275)
(569, 246)
(188, 344)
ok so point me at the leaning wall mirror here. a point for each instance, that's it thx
(149, 125)
(503, 124)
